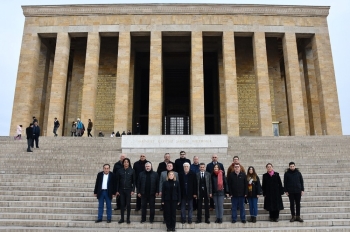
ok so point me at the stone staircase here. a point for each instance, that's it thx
(51, 189)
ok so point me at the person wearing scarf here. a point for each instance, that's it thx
(272, 190)
(254, 190)
(219, 189)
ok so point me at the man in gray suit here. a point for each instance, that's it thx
(163, 176)
(204, 193)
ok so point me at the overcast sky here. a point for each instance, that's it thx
(12, 21)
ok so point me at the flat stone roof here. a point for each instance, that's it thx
(174, 9)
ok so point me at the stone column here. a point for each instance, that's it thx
(22, 111)
(59, 82)
(311, 89)
(326, 84)
(293, 82)
(155, 112)
(122, 87)
(197, 84)
(230, 77)
(262, 84)
(222, 94)
(90, 79)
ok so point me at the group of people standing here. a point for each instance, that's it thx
(32, 134)
(187, 187)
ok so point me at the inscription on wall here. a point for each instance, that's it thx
(247, 103)
(105, 102)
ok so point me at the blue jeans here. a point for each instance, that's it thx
(101, 201)
(237, 201)
(183, 208)
(253, 206)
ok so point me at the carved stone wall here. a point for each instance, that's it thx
(246, 84)
(277, 86)
(106, 85)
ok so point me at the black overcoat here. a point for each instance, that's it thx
(191, 185)
(272, 191)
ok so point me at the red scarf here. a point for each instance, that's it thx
(219, 174)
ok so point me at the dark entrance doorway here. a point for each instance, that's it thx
(141, 55)
(212, 47)
(176, 84)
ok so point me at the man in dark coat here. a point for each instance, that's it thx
(162, 165)
(125, 188)
(272, 190)
(147, 190)
(238, 188)
(29, 134)
(210, 168)
(139, 166)
(36, 134)
(118, 165)
(56, 125)
(180, 162)
(294, 189)
(188, 186)
(105, 190)
(203, 193)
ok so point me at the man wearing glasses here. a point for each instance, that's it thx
(238, 188)
(180, 162)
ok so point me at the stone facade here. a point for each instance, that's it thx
(274, 64)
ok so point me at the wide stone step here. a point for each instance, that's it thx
(159, 218)
(158, 225)
(227, 210)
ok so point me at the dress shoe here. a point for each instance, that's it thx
(275, 220)
(189, 221)
(217, 220)
(292, 219)
(244, 221)
(97, 221)
(121, 221)
(299, 219)
(183, 221)
(207, 221)
(142, 221)
(198, 221)
(37, 147)
(173, 229)
(109, 221)
(118, 208)
(220, 220)
(233, 221)
(128, 222)
(29, 151)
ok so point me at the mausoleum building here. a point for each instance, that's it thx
(240, 70)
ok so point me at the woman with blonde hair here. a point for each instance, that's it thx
(171, 198)
(254, 191)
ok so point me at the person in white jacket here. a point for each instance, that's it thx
(19, 132)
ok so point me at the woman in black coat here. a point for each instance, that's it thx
(171, 197)
(272, 191)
